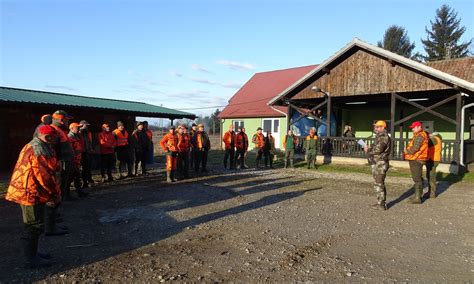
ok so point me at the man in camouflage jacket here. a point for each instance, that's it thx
(378, 154)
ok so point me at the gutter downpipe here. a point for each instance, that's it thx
(461, 158)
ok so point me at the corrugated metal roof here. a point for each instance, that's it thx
(251, 100)
(14, 95)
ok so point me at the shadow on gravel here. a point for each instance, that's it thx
(119, 219)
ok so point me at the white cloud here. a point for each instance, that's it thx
(200, 68)
(175, 74)
(235, 65)
(59, 87)
(209, 82)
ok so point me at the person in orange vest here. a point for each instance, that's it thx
(201, 145)
(311, 148)
(183, 151)
(434, 158)
(416, 153)
(151, 148)
(141, 142)
(169, 144)
(123, 150)
(34, 186)
(75, 175)
(259, 140)
(290, 142)
(87, 151)
(107, 144)
(241, 145)
(229, 144)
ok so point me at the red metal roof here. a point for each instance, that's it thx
(251, 100)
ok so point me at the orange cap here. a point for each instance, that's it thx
(73, 125)
(381, 123)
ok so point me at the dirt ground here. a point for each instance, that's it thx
(249, 226)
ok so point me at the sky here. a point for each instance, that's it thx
(188, 55)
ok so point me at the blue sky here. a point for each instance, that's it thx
(187, 54)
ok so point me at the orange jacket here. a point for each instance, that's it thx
(122, 138)
(107, 142)
(34, 177)
(434, 151)
(150, 135)
(241, 141)
(422, 153)
(258, 140)
(61, 134)
(169, 143)
(229, 140)
(77, 145)
(183, 143)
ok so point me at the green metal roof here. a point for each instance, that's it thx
(22, 96)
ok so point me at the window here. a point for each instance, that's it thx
(267, 125)
(238, 124)
(276, 126)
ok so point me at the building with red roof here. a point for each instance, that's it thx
(248, 107)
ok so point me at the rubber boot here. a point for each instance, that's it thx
(173, 179)
(416, 199)
(433, 190)
(291, 163)
(168, 177)
(30, 250)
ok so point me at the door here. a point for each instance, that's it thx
(272, 125)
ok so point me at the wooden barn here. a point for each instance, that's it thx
(363, 83)
(21, 111)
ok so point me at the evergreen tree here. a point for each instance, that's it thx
(442, 40)
(396, 40)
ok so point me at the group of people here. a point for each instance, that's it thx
(424, 149)
(185, 149)
(236, 146)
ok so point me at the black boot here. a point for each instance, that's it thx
(173, 179)
(30, 250)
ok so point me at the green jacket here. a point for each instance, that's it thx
(311, 144)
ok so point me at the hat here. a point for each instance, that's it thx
(105, 125)
(47, 130)
(139, 123)
(201, 125)
(84, 122)
(74, 124)
(194, 124)
(47, 119)
(381, 123)
(259, 129)
(61, 114)
(120, 123)
(415, 124)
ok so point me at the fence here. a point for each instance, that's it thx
(348, 147)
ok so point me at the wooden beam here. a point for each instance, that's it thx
(393, 103)
(328, 117)
(459, 103)
(426, 109)
(308, 113)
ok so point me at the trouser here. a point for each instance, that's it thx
(259, 157)
(183, 163)
(171, 161)
(416, 170)
(124, 159)
(201, 160)
(64, 178)
(289, 154)
(240, 158)
(141, 158)
(229, 153)
(33, 227)
(86, 168)
(431, 175)
(268, 158)
(192, 158)
(379, 172)
(311, 158)
(107, 162)
(74, 177)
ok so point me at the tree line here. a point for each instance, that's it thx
(442, 38)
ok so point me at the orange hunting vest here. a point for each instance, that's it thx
(422, 153)
(122, 138)
(434, 152)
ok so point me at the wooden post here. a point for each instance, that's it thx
(328, 118)
(393, 102)
(288, 119)
(400, 143)
(457, 145)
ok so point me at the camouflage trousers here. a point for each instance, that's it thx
(379, 172)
